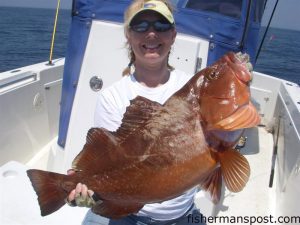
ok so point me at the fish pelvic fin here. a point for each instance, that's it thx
(213, 184)
(116, 210)
(47, 185)
(235, 169)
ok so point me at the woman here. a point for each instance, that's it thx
(150, 32)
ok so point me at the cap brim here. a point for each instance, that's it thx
(171, 21)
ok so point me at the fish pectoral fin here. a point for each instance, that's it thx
(137, 114)
(235, 169)
(244, 117)
(116, 210)
(213, 184)
(100, 150)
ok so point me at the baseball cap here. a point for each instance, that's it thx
(156, 6)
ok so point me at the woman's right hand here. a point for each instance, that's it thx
(81, 196)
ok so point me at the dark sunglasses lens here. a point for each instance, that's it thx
(140, 27)
(158, 26)
(162, 27)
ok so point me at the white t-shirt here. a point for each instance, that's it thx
(111, 105)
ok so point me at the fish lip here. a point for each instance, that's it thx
(242, 60)
(242, 57)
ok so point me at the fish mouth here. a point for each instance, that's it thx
(242, 66)
(244, 59)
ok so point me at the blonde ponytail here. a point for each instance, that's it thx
(127, 71)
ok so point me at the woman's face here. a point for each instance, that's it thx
(151, 47)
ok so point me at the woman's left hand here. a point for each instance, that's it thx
(81, 196)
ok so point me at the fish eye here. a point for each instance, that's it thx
(213, 75)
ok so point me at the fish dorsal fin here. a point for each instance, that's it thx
(235, 169)
(100, 144)
(103, 150)
(137, 114)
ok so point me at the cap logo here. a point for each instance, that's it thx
(149, 5)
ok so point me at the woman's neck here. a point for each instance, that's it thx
(152, 76)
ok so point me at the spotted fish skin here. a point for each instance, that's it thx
(161, 151)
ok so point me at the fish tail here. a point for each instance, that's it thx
(47, 185)
(235, 169)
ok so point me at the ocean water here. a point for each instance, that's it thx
(280, 54)
(26, 38)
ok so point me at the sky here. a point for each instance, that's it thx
(286, 16)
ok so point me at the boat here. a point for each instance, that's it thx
(47, 109)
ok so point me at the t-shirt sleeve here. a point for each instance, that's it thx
(107, 114)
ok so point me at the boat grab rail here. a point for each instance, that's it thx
(18, 80)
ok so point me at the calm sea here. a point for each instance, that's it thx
(26, 35)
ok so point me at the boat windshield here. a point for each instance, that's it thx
(230, 8)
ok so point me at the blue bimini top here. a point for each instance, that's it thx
(228, 25)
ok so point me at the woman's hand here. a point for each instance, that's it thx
(81, 196)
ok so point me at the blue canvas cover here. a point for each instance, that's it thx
(224, 33)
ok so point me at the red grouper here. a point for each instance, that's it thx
(161, 151)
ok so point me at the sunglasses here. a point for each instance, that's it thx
(144, 25)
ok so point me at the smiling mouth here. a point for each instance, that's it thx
(151, 47)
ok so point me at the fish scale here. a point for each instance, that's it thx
(161, 151)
